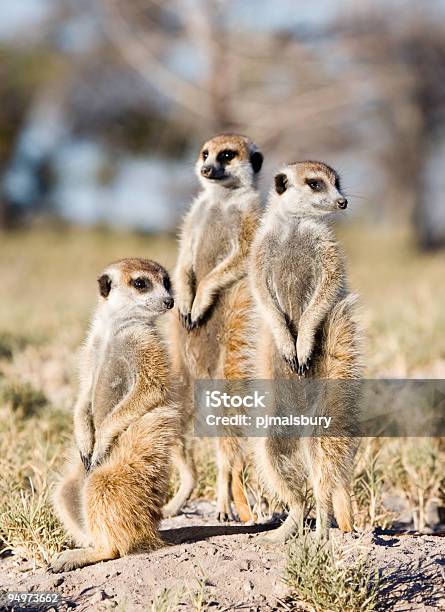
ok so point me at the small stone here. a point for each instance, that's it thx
(99, 596)
(280, 589)
(244, 566)
(248, 586)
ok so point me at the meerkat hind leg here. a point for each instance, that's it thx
(223, 507)
(240, 499)
(80, 557)
(323, 501)
(289, 527)
(341, 501)
(184, 462)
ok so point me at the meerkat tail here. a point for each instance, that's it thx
(67, 501)
(125, 495)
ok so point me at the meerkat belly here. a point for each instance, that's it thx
(214, 240)
(204, 346)
(291, 281)
(112, 380)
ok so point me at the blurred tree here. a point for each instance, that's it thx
(424, 47)
(23, 71)
(268, 84)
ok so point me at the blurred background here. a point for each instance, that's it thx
(105, 103)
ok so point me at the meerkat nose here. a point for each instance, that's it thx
(169, 302)
(342, 203)
(207, 171)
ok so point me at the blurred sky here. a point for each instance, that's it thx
(79, 197)
(260, 14)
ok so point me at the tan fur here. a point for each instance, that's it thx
(211, 289)
(298, 278)
(115, 482)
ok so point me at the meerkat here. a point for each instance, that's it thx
(115, 483)
(210, 338)
(307, 328)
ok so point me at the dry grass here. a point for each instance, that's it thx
(31, 445)
(402, 295)
(330, 577)
(48, 278)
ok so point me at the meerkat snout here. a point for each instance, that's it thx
(342, 203)
(213, 172)
(136, 284)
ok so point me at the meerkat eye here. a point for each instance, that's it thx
(226, 156)
(140, 283)
(316, 184)
(205, 155)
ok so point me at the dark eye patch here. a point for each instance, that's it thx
(280, 183)
(316, 184)
(104, 285)
(205, 154)
(141, 283)
(226, 156)
(166, 282)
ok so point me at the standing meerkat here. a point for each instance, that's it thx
(111, 495)
(307, 328)
(211, 335)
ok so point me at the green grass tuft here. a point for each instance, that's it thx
(323, 577)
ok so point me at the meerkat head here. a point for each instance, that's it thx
(229, 161)
(136, 284)
(308, 188)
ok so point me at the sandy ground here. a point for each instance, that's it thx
(222, 567)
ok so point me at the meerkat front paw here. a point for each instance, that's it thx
(184, 312)
(86, 460)
(186, 320)
(99, 454)
(201, 304)
(85, 447)
(288, 351)
(304, 351)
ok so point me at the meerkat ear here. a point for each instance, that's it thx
(280, 183)
(104, 285)
(256, 160)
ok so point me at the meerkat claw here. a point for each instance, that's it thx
(183, 319)
(194, 324)
(86, 460)
(292, 363)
